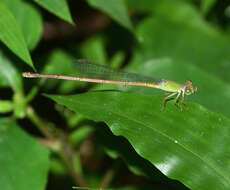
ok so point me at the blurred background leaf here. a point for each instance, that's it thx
(206, 5)
(12, 78)
(58, 7)
(9, 74)
(116, 9)
(11, 35)
(19, 165)
(29, 19)
(94, 49)
(60, 62)
(185, 44)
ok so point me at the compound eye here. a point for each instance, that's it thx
(188, 92)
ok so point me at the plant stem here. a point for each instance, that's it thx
(109, 175)
(39, 123)
(65, 150)
(67, 157)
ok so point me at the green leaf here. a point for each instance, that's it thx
(29, 20)
(117, 60)
(179, 9)
(119, 147)
(24, 162)
(20, 105)
(11, 35)
(9, 74)
(190, 146)
(206, 5)
(78, 135)
(207, 49)
(31, 24)
(6, 106)
(116, 9)
(3, 82)
(57, 167)
(94, 49)
(59, 62)
(181, 12)
(57, 7)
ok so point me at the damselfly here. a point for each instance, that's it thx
(94, 73)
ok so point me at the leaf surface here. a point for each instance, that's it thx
(24, 162)
(116, 9)
(11, 35)
(29, 20)
(57, 7)
(181, 42)
(9, 76)
(190, 146)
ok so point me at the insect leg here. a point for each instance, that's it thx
(179, 99)
(168, 98)
(182, 99)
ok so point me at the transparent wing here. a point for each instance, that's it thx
(88, 69)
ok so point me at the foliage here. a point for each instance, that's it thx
(105, 136)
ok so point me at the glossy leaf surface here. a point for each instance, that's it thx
(190, 146)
